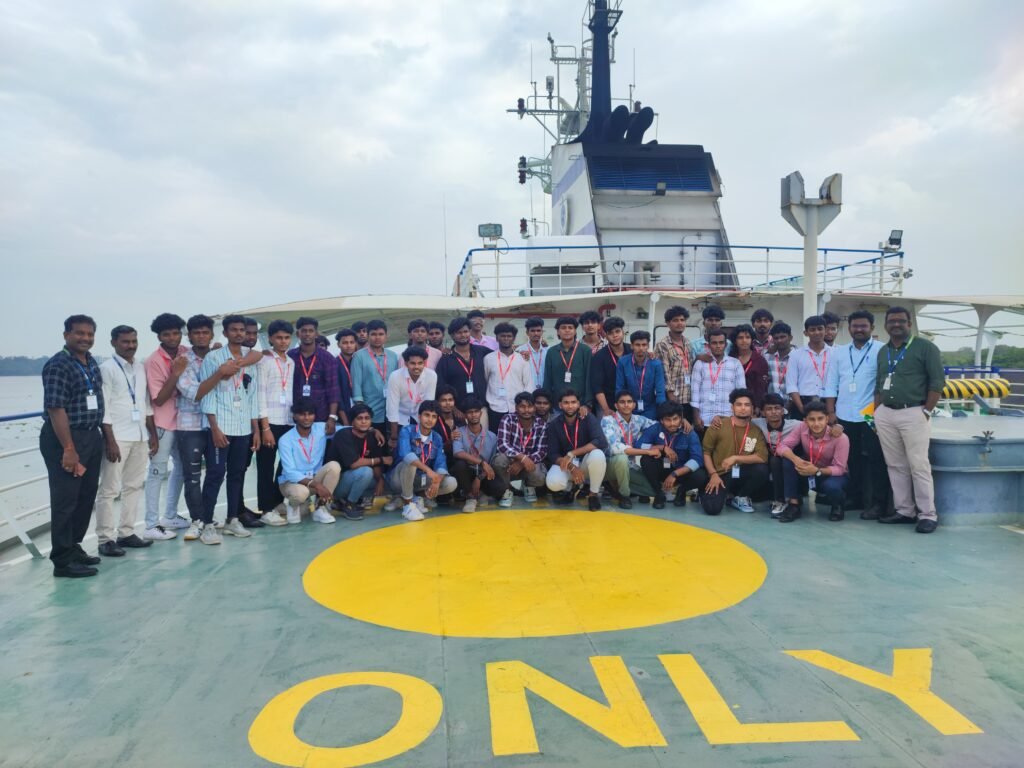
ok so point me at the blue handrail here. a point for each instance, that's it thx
(21, 416)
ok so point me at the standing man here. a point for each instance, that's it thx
(641, 376)
(812, 452)
(778, 360)
(316, 374)
(130, 436)
(163, 368)
(713, 317)
(522, 449)
(409, 386)
(577, 447)
(232, 410)
(435, 336)
(808, 368)
(604, 367)
(713, 381)
(347, 347)
(362, 333)
(418, 331)
(477, 336)
(831, 327)
(252, 333)
(676, 358)
(567, 365)
(736, 459)
(622, 431)
(371, 367)
(463, 369)
(276, 394)
(72, 445)
(507, 375)
(849, 389)
(907, 388)
(303, 471)
(762, 320)
(591, 324)
(535, 349)
(474, 452)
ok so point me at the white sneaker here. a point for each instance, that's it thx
(421, 505)
(158, 534)
(210, 534)
(506, 499)
(234, 527)
(742, 503)
(294, 514)
(194, 530)
(220, 524)
(321, 515)
(412, 513)
(529, 494)
(469, 506)
(172, 523)
(777, 508)
(273, 518)
(393, 504)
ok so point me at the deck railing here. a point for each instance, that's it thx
(14, 520)
(577, 269)
(1013, 375)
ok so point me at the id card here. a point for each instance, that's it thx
(136, 416)
(666, 463)
(306, 390)
(568, 377)
(887, 384)
(749, 444)
(853, 386)
(469, 387)
(92, 402)
(686, 379)
(736, 470)
(236, 403)
(639, 405)
(501, 392)
(810, 483)
(283, 399)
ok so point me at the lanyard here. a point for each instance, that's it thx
(890, 363)
(426, 449)
(131, 387)
(614, 358)
(780, 371)
(444, 429)
(684, 354)
(810, 448)
(308, 453)
(473, 443)
(472, 362)
(773, 447)
(366, 448)
(383, 372)
(536, 359)
(627, 433)
(750, 362)
(86, 372)
(284, 371)
(711, 371)
(824, 363)
(504, 373)
(312, 365)
(576, 436)
(643, 373)
(867, 351)
(738, 446)
(348, 371)
(415, 397)
(561, 353)
(524, 438)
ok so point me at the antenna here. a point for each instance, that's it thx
(444, 230)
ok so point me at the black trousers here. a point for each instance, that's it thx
(869, 476)
(268, 492)
(752, 480)
(465, 473)
(71, 498)
(494, 419)
(655, 471)
(193, 447)
(232, 461)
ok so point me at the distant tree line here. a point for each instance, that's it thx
(22, 366)
(1005, 357)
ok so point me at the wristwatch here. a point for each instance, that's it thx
(928, 412)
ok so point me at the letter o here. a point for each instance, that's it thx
(272, 733)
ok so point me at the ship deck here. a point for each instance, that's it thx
(645, 638)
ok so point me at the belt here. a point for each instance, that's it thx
(903, 406)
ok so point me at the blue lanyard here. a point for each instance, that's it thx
(867, 351)
(890, 363)
(86, 372)
(131, 389)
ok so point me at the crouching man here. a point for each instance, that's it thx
(813, 451)
(303, 472)
(422, 464)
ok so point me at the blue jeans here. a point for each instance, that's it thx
(828, 488)
(157, 473)
(193, 447)
(354, 484)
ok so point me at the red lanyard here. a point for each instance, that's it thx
(284, 372)
(312, 365)
(426, 449)
(614, 358)
(773, 447)
(627, 434)
(576, 436)
(416, 397)
(525, 438)
(472, 362)
(743, 442)
(383, 373)
(444, 428)
(684, 353)
(348, 372)
(366, 449)
(473, 443)
(711, 371)
(561, 352)
(504, 373)
(535, 359)
(824, 363)
(810, 448)
(643, 373)
(780, 372)
(750, 362)
(307, 453)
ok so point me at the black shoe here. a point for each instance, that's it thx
(594, 502)
(896, 517)
(565, 497)
(871, 513)
(644, 499)
(132, 542)
(926, 526)
(84, 558)
(110, 549)
(790, 513)
(75, 570)
(659, 500)
(837, 513)
(351, 511)
(625, 502)
(249, 519)
(680, 499)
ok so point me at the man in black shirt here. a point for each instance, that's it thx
(463, 369)
(72, 445)
(576, 447)
(363, 461)
(604, 364)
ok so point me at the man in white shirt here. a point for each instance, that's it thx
(534, 350)
(507, 374)
(409, 386)
(713, 381)
(808, 367)
(276, 372)
(130, 436)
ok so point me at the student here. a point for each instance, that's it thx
(347, 347)
(908, 386)
(622, 431)
(808, 366)
(476, 327)
(849, 389)
(713, 381)
(755, 367)
(163, 368)
(474, 454)
(762, 321)
(507, 375)
(775, 426)
(232, 409)
(449, 422)
(303, 471)
(534, 350)
(371, 367)
(522, 449)
(435, 336)
(676, 358)
(463, 369)
(363, 461)
(323, 342)
(642, 376)
(362, 333)
(252, 333)
(193, 433)
(576, 448)
(130, 437)
(567, 365)
(713, 317)
(276, 395)
(778, 360)
(672, 456)
(735, 458)
(810, 451)
(604, 366)
(543, 405)
(316, 374)
(409, 386)
(832, 321)
(418, 331)
(421, 464)
(72, 445)
(591, 324)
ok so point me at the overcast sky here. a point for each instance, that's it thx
(196, 156)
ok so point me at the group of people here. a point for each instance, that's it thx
(732, 419)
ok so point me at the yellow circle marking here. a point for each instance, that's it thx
(535, 573)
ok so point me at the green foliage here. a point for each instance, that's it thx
(1005, 357)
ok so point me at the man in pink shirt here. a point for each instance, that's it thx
(418, 333)
(812, 452)
(163, 368)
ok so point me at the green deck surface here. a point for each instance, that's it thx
(167, 657)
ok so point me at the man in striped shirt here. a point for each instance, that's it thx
(522, 450)
(316, 374)
(713, 381)
(622, 430)
(371, 367)
(676, 358)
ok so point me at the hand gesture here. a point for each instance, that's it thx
(178, 365)
(714, 485)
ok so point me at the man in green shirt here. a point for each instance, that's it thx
(567, 365)
(907, 388)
